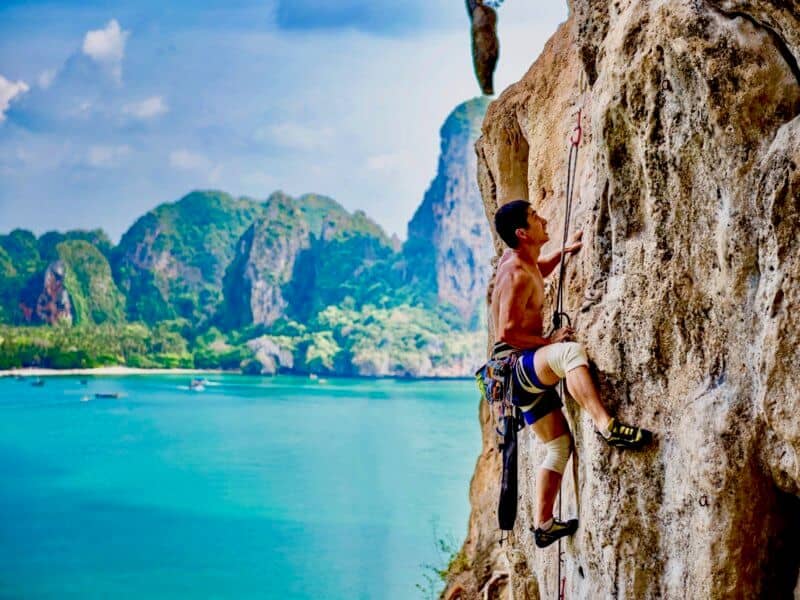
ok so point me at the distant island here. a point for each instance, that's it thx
(283, 284)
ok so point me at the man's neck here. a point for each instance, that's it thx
(528, 254)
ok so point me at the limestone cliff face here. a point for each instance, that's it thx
(685, 295)
(264, 264)
(45, 298)
(449, 248)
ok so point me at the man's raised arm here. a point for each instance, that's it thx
(550, 261)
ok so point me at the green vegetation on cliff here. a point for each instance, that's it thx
(24, 258)
(49, 242)
(171, 262)
(211, 281)
(94, 295)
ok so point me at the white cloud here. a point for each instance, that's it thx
(107, 46)
(104, 157)
(384, 162)
(46, 77)
(147, 108)
(8, 91)
(183, 159)
(295, 135)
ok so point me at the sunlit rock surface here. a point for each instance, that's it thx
(449, 248)
(685, 295)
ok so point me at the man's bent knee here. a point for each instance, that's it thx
(565, 356)
(558, 451)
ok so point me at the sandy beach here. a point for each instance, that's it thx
(37, 372)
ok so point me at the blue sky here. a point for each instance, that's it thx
(111, 108)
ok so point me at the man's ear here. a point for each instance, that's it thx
(521, 233)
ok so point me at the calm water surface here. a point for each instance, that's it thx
(254, 488)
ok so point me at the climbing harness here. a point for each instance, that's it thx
(559, 314)
(495, 382)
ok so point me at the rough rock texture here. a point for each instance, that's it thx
(449, 247)
(270, 355)
(685, 296)
(264, 263)
(45, 299)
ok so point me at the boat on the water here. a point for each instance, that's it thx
(108, 395)
(198, 384)
(39, 382)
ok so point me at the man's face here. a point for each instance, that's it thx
(536, 231)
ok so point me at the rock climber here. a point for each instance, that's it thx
(516, 310)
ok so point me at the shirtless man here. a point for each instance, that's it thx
(516, 312)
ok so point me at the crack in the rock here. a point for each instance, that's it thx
(779, 42)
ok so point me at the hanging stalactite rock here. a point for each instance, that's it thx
(485, 45)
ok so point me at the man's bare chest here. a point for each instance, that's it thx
(536, 299)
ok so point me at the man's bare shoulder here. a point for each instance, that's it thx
(511, 266)
(512, 273)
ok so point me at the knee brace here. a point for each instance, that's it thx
(558, 451)
(565, 357)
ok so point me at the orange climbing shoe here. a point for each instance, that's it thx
(559, 529)
(621, 435)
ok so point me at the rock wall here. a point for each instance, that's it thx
(263, 264)
(685, 296)
(449, 248)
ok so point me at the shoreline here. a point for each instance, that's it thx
(116, 370)
(123, 371)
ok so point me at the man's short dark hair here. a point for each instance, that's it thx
(509, 218)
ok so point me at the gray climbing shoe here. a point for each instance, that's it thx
(558, 529)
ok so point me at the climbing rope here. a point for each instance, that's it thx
(572, 164)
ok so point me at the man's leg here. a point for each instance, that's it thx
(567, 360)
(550, 427)
(579, 383)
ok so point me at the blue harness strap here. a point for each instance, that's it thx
(526, 372)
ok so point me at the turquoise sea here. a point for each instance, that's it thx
(279, 487)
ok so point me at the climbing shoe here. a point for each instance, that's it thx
(556, 531)
(621, 435)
